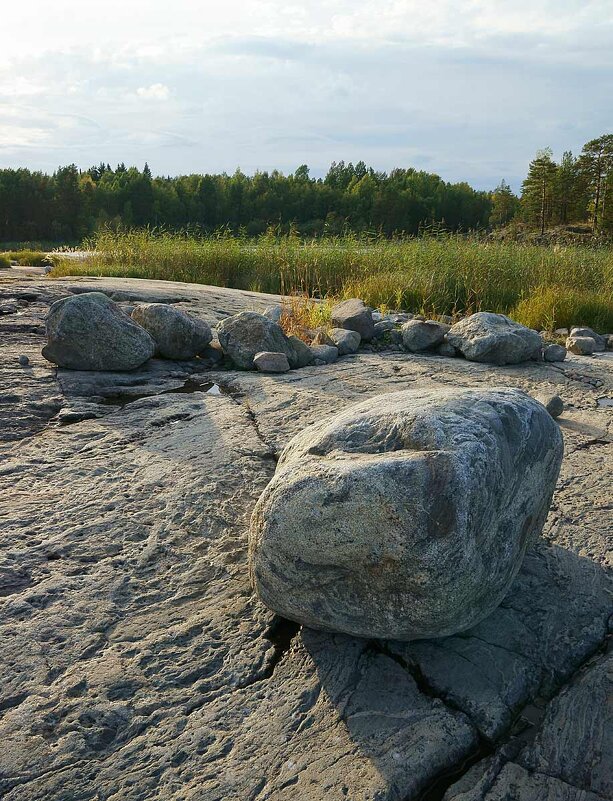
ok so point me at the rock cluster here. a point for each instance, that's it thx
(406, 516)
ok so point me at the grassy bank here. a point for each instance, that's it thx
(542, 287)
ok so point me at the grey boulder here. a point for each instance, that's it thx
(304, 354)
(601, 341)
(554, 353)
(177, 335)
(406, 516)
(345, 340)
(581, 346)
(247, 333)
(267, 362)
(495, 339)
(90, 332)
(420, 335)
(324, 354)
(355, 316)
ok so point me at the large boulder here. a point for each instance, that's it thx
(345, 340)
(90, 332)
(406, 516)
(601, 341)
(418, 335)
(243, 335)
(355, 316)
(494, 338)
(581, 346)
(177, 335)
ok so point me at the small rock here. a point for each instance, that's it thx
(304, 354)
(554, 353)
(382, 327)
(401, 317)
(9, 308)
(23, 361)
(445, 349)
(268, 362)
(581, 346)
(561, 332)
(445, 318)
(355, 316)
(601, 342)
(324, 354)
(322, 338)
(274, 312)
(377, 317)
(610, 342)
(553, 403)
(212, 354)
(247, 333)
(418, 335)
(177, 335)
(90, 332)
(345, 340)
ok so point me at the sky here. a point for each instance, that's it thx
(468, 89)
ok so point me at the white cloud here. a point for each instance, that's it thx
(157, 91)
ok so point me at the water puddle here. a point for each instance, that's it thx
(190, 386)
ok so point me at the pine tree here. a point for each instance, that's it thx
(505, 205)
(596, 167)
(538, 190)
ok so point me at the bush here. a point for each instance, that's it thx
(560, 307)
(4, 261)
(29, 258)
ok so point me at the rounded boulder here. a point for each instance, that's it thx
(406, 516)
(177, 335)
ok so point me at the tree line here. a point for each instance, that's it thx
(73, 203)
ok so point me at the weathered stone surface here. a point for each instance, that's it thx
(304, 354)
(324, 354)
(420, 335)
(495, 339)
(248, 333)
(581, 346)
(177, 335)
(135, 663)
(267, 362)
(406, 516)
(273, 312)
(90, 332)
(554, 353)
(445, 349)
(601, 341)
(355, 316)
(345, 340)
(554, 405)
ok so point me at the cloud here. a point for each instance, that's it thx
(157, 91)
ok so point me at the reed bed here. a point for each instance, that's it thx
(544, 287)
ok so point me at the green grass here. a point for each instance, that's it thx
(544, 286)
(28, 258)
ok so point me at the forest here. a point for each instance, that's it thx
(71, 203)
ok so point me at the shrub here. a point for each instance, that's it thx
(4, 261)
(29, 258)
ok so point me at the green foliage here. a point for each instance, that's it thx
(29, 258)
(5, 261)
(446, 274)
(563, 307)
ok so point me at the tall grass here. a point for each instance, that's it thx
(545, 286)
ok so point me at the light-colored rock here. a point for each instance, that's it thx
(345, 340)
(418, 335)
(90, 332)
(322, 337)
(355, 316)
(406, 516)
(274, 312)
(561, 332)
(267, 362)
(248, 333)
(324, 354)
(177, 335)
(554, 353)
(601, 341)
(581, 346)
(553, 403)
(494, 339)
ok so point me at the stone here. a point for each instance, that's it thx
(554, 353)
(601, 341)
(345, 340)
(553, 403)
(610, 342)
(418, 335)
(9, 308)
(408, 515)
(321, 337)
(23, 361)
(494, 339)
(90, 332)
(445, 349)
(267, 362)
(273, 312)
(561, 332)
(304, 354)
(248, 333)
(324, 354)
(177, 335)
(382, 329)
(355, 316)
(581, 346)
